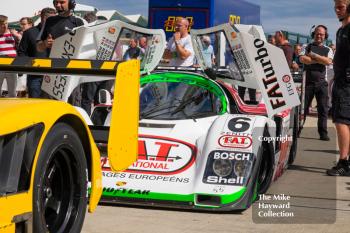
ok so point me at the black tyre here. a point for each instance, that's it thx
(60, 183)
(294, 147)
(266, 167)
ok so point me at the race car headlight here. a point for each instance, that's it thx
(222, 167)
(242, 168)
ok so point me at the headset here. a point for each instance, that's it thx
(320, 26)
(71, 4)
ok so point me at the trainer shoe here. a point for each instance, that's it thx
(324, 138)
(341, 169)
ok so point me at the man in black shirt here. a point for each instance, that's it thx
(315, 58)
(57, 26)
(341, 89)
(27, 48)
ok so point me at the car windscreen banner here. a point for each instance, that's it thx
(107, 41)
(250, 62)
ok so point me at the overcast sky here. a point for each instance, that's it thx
(296, 16)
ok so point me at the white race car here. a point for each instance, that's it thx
(200, 145)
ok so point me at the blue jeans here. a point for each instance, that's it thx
(34, 85)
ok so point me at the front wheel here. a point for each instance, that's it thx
(265, 170)
(60, 183)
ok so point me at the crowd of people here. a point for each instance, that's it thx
(315, 59)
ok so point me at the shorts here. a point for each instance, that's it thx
(341, 105)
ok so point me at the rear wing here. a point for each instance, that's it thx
(249, 61)
(107, 41)
(125, 111)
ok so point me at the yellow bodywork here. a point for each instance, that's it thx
(18, 114)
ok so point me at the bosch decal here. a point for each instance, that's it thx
(228, 168)
(232, 155)
(270, 81)
(235, 141)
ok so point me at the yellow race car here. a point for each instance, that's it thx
(48, 154)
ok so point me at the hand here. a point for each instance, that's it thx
(49, 41)
(13, 31)
(17, 34)
(177, 36)
(295, 66)
(312, 55)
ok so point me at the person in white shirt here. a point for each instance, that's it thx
(208, 51)
(179, 49)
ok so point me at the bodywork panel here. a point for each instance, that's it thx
(44, 112)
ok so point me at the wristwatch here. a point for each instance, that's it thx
(177, 42)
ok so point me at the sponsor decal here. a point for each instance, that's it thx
(270, 81)
(235, 141)
(136, 176)
(287, 80)
(233, 35)
(160, 155)
(120, 183)
(111, 30)
(231, 155)
(221, 180)
(109, 174)
(114, 191)
(169, 24)
(170, 179)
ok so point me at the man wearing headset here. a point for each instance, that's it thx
(341, 89)
(315, 57)
(58, 25)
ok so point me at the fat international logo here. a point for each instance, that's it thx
(161, 156)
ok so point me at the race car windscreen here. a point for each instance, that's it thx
(171, 100)
(215, 53)
(133, 45)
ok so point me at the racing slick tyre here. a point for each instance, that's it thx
(265, 170)
(60, 183)
(294, 147)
